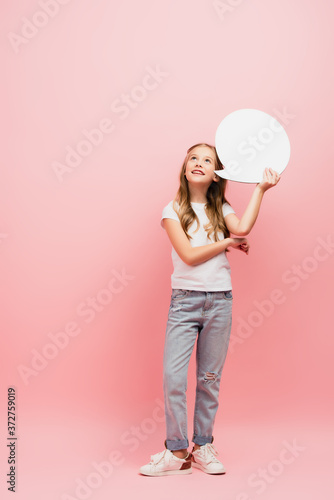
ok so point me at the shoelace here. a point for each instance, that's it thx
(208, 452)
(155, 459)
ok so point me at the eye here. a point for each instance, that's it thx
(208, 159)
(193, 157)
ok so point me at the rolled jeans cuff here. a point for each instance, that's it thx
(180, 444)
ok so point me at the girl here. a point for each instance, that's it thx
(198, 223)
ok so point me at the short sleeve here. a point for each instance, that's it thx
(227, 209)
(168, 212)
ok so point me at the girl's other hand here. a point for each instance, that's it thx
(270, 179)
(240, 243)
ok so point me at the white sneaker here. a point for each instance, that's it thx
(166, 463)
(205, 459)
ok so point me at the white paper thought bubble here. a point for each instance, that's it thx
(247, 141)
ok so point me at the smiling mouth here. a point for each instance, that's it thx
(198, 172)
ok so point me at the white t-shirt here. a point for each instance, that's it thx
(214, 275)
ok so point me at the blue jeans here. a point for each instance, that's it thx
(207, 317)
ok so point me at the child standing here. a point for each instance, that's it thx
(198, 223)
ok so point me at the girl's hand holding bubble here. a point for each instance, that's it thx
(270, 179)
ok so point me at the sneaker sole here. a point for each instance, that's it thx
(199, 466)
(167, 472)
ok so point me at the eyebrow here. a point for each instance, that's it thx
(193, 154)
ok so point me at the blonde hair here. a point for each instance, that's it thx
(215, 198)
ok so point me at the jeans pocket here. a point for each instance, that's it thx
(228, 295)
(178, 294)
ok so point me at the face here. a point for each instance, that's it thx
(200, 166)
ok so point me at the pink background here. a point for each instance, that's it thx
(62, 240)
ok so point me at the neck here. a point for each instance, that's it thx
(197, 195)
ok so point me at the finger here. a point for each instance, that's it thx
(272, 175)
(276, 178)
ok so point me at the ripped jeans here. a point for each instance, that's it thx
(207, 317)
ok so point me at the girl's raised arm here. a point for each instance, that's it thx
(243, 226)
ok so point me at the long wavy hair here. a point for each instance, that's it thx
(215, 198)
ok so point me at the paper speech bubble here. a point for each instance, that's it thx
(247, 141)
